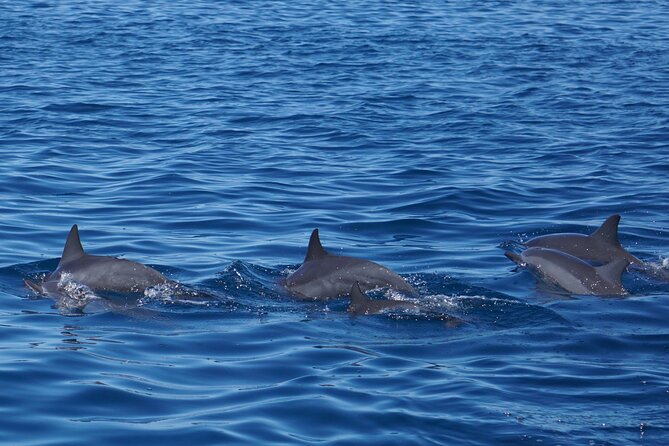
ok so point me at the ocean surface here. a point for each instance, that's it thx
(209, 138)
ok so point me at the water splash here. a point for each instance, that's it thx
(72, 296)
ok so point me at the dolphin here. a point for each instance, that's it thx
(361, 304)
(573, 274)
(324, 276)
(602, 246)
(99, 273)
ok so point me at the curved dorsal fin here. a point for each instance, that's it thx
(613, 271)
(608, 231)
(359, 300)
(73, 248)
(315, 249)
(357, 296)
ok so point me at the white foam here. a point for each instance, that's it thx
(161, 291)
(73, 294)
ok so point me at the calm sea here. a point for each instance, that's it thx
(208, 138)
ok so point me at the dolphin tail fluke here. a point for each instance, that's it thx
(36, 287)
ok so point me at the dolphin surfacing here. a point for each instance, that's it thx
(602, 246)
(99, 273)
(361, 304)
(574, 275)
(324, 276)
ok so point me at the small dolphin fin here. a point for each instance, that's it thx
(36, 287)
(513, 257)
(357, 296)
(315, 249)
(359, 300)
(613, 271)
(608, 231)
(73, 248)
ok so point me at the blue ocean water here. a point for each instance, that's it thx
(208, 138)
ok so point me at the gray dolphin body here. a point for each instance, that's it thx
(361, 304)
(324, 276)
(101, 273)
(573, 274)
(602, 246)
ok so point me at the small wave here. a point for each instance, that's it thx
(655, 270)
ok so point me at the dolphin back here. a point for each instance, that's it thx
(602, 246)
(325, 276)
(112, 274)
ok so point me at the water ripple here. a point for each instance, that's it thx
(208, 139)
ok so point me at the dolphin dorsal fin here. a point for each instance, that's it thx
(315, 249)
(359, 299)
(613, 271)
(608, 231)
(73, 248)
